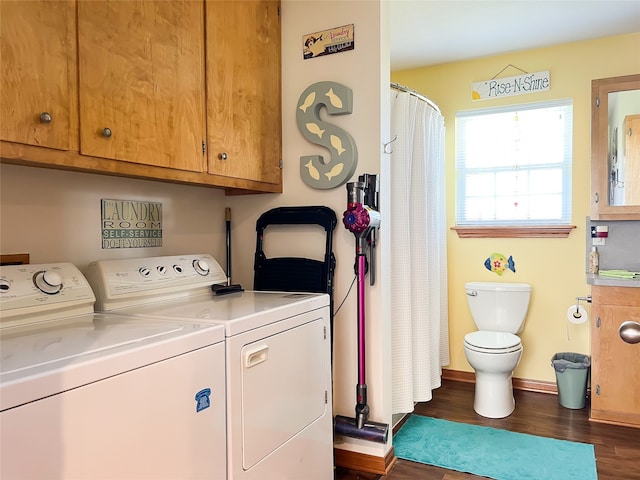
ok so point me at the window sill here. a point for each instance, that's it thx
(551, 231)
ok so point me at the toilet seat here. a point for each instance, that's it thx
(492, 342)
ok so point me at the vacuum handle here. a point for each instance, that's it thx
(372, 258)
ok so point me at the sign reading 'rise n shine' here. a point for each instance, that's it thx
(511, 86)
(131, 224)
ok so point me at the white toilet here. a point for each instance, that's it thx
(499, 311)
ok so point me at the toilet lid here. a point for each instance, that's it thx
(492, 341)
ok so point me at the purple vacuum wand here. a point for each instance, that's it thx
(362, 219)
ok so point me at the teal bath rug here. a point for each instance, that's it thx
(493, 453)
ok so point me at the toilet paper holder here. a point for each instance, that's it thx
(587, 299)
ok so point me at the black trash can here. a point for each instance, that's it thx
(572, 372)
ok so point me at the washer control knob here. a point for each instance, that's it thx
(162, 270)
(48, 282)
(144, 271)
(201, 267)
(5, 286)
(177, 268)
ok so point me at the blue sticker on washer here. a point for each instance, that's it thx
(202, 399)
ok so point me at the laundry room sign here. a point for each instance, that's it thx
(327, 42)
(511, 86)
(131, 224)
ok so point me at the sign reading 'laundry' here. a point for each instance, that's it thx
(131, 224)
(511, 86)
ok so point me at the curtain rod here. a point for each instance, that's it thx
(402, 88)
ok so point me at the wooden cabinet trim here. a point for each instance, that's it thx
(19, 154)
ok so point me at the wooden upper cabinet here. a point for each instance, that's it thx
(141, 82)
(38, 77)
(243, 89)
(119, 87)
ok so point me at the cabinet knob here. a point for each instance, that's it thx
(222, 156)
(630, 331)
(45, 117)
(106, 132)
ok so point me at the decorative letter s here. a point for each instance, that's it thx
(315, 171)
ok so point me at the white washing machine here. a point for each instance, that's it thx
(278, 358)
(98, 396)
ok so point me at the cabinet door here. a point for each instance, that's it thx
(615, 368)
(142, 82)
(38, 89)
(243, 89)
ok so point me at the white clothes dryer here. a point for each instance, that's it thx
(99, 396)
(278, 358)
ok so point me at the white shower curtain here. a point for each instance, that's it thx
(419, 322)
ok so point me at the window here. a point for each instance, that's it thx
(513, 165)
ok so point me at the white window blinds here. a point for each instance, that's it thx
(513, 165)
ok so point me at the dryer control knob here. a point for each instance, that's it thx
(48, 282)
(201, 267)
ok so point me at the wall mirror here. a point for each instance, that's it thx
(615, 148)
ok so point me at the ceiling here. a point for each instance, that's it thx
(431, 32)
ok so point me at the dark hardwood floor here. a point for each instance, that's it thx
(617, 448)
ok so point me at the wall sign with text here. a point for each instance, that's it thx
(511, 86)
(131, 224)
(327, 42)
(315, 170)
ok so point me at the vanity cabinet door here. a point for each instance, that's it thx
(615, 364)
(243, 90)
(38, 86)
(142, 94)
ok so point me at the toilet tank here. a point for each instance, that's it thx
(498, 307)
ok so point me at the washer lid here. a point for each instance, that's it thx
(492, 340)
(46, 358)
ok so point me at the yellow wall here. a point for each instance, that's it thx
(554, 267)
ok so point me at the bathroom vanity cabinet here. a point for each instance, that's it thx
(615, 364)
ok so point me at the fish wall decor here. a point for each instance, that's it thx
(498, 263)
(315, 170)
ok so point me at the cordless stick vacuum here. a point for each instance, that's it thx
(362, 219)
